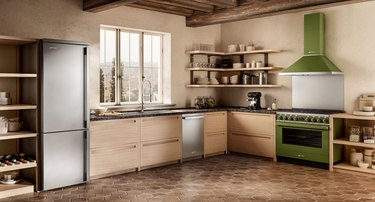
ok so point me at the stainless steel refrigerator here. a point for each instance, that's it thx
(63, 113)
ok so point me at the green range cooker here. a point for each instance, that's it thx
(304, 136)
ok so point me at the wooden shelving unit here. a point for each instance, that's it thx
(17, 135)
(353, 117)
(22, 187)
(17, 166)
(21, 82)
(17, 75)
(340, 144)
(235, 69)
(16, 107)
(216, 53)
(354, 144)
(241, 55)
(348, 167)
(231, 86)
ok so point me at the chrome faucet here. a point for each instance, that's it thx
(142, 92)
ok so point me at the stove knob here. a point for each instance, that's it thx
(300, 118)
(326, 120)
(319, 120)
(289, 118)
(307, 119)
(313, 119)
(295, 118)
(278, 117)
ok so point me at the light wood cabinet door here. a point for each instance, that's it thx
(215, 143)
(215, 122)
(114, 133)
(105, 161)
(260, 124)
(160, 151)
(215, 132)
(251, 144)
(161, 127)
(252, 133)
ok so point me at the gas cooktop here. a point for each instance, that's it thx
(309, 111)
(305, 116)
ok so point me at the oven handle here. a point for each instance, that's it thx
(305, 126)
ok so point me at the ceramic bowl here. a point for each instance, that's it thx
(232, 48)
(363, 164)
(367, 108)
(100, 110)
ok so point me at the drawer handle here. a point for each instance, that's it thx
(160, 118)
(114, 149)
(248, 135)
(216, 134)
(161, 142)
(300, 155)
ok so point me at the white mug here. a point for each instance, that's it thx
(248, 65)
(253, 63)
(7, 177)
(259, 64)
(224, 80)
(242, 47)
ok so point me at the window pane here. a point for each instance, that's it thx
(152, 68)
(147, 50)
(130, 67)
(107, 65)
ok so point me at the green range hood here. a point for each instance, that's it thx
(313, 62)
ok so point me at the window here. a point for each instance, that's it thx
(126, 56)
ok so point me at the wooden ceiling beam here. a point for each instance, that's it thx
(187, 4)
(102, 5)
(261, 8)
(220, 3)
(149, 5)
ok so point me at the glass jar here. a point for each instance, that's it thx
(354, 133)
(368, 135)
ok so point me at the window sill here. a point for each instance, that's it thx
(134, 107)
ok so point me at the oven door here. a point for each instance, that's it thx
(303, 141)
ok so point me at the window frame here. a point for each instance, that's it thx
(119, 75)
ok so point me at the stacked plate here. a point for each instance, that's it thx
(5, 98)
(238, 65)
(234, 79)
(214, 81)
(203, 81)
(366, 111)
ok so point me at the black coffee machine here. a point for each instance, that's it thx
(254, 100)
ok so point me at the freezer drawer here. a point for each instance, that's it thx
(64, 159)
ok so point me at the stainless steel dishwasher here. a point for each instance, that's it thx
(192, 135)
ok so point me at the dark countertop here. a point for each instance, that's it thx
(165, 112)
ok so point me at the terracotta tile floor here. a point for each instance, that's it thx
(222, 178)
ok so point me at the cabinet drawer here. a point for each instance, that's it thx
(250, 122)
(162, 127)
(114, 133)
(161, 151)
(252, 144)
(215, 122)
(116, 159)
(303, 155)
(215, 142)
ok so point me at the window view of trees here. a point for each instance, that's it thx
(129, 69)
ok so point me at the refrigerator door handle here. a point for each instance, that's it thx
(86, 156)
(85, 49)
